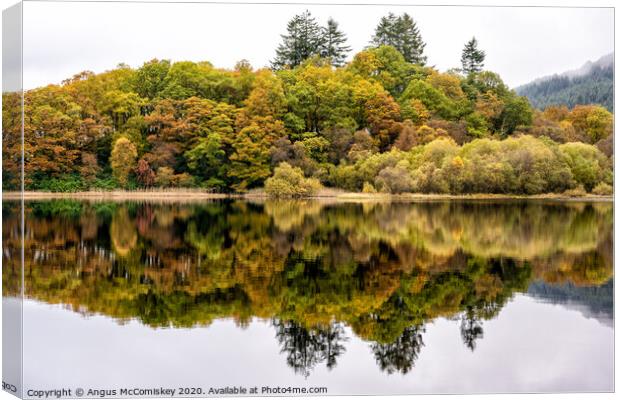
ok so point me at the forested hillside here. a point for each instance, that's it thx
(593, 84)
(383, 121)
(593, 301)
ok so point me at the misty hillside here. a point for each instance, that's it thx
(591, 84)
(592, 301)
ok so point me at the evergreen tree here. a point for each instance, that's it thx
(410, 42)
(385, 32)
(472, 58)
(402, 33)
(333, 43)
(303, 40)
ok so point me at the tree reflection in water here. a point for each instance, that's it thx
(400, 355)
(382, 270)
(471, 329)
(305, 348)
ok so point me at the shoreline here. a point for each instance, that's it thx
(328, 194)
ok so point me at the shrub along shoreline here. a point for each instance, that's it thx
(183, 195)
(513, 167)
(516, 167)
(522, 165)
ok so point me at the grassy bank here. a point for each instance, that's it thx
(333, 194)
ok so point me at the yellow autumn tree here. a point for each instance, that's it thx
(123, 160)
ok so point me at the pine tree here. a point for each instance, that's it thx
(410, 42)
(472, 59)
(385, 32)
(303, 40)
(402, 33)
(333, 44)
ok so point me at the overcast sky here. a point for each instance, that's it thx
(61, 39)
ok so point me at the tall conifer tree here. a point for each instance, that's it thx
(403, 34)
(410, 41)
(472, 59)
(333, 44)
(303, 40)
(385, 32)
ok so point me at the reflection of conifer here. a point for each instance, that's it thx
(471, 329)
(400, 356)
(306, 348)
(334, 335)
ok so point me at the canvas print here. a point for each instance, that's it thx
(204, 200)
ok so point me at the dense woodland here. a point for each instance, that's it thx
(595, 87)
(384, 121)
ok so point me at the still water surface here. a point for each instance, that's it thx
(439, 297)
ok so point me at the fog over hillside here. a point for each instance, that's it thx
(592, 301)
(592, 83)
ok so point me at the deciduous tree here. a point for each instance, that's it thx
(123, 160)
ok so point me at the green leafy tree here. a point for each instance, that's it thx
(588, 165)
(207, 160)
(386, 65)
(433, 99)
(472, 58)
(517, 112)
(251, 158)
(318, 98)
(149, 79)
(289, 181)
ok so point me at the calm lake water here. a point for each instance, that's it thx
(372, 298)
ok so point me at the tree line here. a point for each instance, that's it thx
(596, 87)
(321, 120)
(305, 38)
